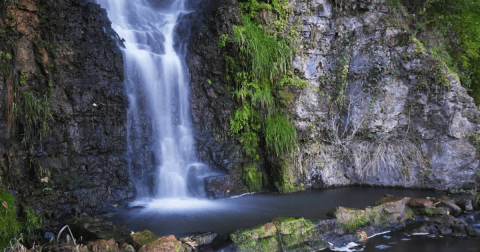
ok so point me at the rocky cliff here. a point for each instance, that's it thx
(63, 107)
(378, 109)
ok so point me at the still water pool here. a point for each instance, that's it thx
(184, 217)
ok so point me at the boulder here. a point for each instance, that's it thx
(142, 238)
(164, 244)
(279, 235)
(388, 210)
(103, 245)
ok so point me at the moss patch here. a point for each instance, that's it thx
(143, 237)
(9, 226)
(281, 234)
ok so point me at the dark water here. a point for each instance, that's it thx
(187, 217)
(398, 241)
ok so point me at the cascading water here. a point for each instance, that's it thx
(157, 84)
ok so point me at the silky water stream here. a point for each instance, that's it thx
(161, 154)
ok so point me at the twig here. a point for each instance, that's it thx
(61, 230)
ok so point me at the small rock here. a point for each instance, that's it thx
(420, 203)
(362, 236)
(445, 231)
(48, 235)
(164, 244)
(459, 230)
(103, 245)
(471, 231)
(450, 204)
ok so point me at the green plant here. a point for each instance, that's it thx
(5, 62)
(457, 24)
(23, 78)
(9, 226)
(258, 60)
(253, 178)
(394, 5)
(34, 112)
(280, 135)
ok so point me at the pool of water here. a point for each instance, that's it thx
(184, 217)
(398, 241)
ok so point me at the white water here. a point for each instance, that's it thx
(157, 84)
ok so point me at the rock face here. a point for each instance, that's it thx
(378, 110)
(65, 51)
(405, 120)
(211, 103)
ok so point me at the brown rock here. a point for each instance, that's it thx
(25, 58)
(450, 204)
(362, 236)
(163, 244)
(420, 203)
(103, 245)
(27, 5)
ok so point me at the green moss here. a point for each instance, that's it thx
(420, 48)
(144, 237)
(287, 178)
(281, 234)
(253, 178)
(9, 226)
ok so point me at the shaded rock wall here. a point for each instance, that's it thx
(69, 52)
(404, 121)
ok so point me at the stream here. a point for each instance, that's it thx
(185, 217)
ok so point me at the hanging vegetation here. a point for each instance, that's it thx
(259, 77)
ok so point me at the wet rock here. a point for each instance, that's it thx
(278, 235)
(91, 228)
(103, 245)
(450, 204)
(459, 230)
(435, 211)
(390, 209)
(164, 244)
(465, 202)
(199, 240)
(142, 238)
(445, 231)
(420, 203)
(68, 47)
(471, 231)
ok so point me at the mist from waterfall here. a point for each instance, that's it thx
(157, 86)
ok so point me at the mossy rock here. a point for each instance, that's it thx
(388, 210)
(164, 244)
(143, 237)
(281, 234)
(92, 228)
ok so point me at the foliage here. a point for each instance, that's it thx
(34, 113)
(253, 178)
(258, 60)
(9, 226)
(459, 22)
(5, 62)
(12, 227)
(259, 74)
(280, 135)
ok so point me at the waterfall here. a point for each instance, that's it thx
(159, 132)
